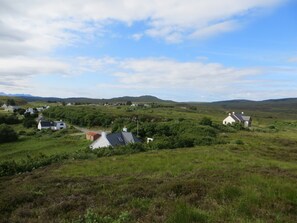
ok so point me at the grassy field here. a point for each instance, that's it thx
(252, 178)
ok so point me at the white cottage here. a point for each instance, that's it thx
(30, 111)
(59, 125)
(238, 118)
(56, 125)
(42, 124)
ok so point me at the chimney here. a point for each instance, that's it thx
(125, 129)
(229, 114)
(242, 113)
(233, 113)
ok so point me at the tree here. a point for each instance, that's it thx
(29, 123)
(21, 111)
(10, 101)
(129, 103)
(7, 134)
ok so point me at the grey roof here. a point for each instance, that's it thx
(246, 118)
(129, 137)
(240, 117)
(121, 138)
(46, 124)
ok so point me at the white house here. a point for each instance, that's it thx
(11, 108)
(114, 139)
(31, 111)
(4, 106)
(43, 124)
(59, 125)
(56, 125)
(238, 118)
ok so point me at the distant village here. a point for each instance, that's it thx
(103, 139)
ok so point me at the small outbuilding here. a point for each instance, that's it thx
(238, 118)
(92, 136)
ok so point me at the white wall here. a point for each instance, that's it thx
(228, 120)
(101, 142)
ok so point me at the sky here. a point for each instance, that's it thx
(190, 50)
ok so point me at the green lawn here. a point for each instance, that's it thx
(44, 143)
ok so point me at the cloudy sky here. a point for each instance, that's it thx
(190, 50)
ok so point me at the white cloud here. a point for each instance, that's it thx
(25, 66)
(28, 26)
(215, 29)
(111, 77)
(164, 73)
(17, 72)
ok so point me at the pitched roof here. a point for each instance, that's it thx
(240, 117)
(121, 138)
(46, 124)
(129, 137)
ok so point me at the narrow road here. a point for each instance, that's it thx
(85, 130)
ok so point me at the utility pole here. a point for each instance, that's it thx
(137, 127)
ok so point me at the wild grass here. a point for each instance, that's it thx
(252, 178)
(42, 143)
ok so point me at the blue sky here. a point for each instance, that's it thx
(192, 50)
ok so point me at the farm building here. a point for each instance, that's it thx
(92, 136)
(238, 118)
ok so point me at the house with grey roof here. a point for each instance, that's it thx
(114, 139)
(10, 108)
(56, 125)
(43, 124)
(238, 118)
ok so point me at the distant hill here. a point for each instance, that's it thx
(285, 105)
(145, 98)
(278, 105)
(18, 101)
(140, 99)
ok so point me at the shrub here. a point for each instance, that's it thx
(91, 217)
(7, 134)
(239, 142)
(206, 121)
(205, 141)
(8, 168)
(29, 123)
(187, 214)
(9, 119)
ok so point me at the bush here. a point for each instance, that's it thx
(29, 123)
(7, 134)
(206, 121)
(9, 119)
(187, 214)
(239, 142)
(8, 168)
(91, 217)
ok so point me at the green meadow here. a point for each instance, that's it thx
(252, 177)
